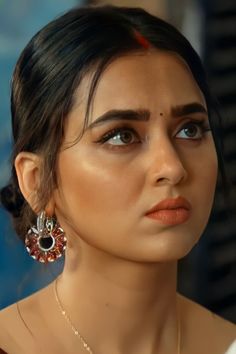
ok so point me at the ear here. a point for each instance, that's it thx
(50, 207)
(27, 167)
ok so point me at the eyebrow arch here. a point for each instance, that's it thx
(144, 114)
(190, 108)
(121, 114)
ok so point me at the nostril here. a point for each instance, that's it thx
(171, 176)
(161, 179)
(166, 164)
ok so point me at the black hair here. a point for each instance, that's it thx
(50, 70)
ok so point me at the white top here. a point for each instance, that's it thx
(232, 348)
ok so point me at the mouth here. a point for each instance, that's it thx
(171, 211)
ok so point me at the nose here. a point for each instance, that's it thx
(166, 164)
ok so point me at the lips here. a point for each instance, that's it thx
(171, 211)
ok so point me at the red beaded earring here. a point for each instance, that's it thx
(46, 242)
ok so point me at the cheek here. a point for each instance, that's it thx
(94, 196)
(93, 187)
(209, 170)
(205, 184)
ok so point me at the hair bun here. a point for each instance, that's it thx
(12, 199)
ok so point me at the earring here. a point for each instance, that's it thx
(45, 242)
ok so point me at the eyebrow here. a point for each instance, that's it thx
(190, 108)
(144, 114)
(122, 114)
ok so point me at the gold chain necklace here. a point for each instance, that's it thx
(81, 338)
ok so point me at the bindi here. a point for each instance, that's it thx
(161, 114)
(142, 40)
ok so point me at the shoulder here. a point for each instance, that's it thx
(8, 319)
(14, 331)
(212, 332)
(8, 324)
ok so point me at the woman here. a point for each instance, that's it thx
(115, 162)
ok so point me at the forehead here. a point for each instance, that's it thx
(154, 79)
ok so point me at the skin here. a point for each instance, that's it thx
(119, 281)
(124, 183)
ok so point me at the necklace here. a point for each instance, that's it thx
(81, 338)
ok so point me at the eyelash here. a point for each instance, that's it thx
(119, 130)
(114, 132)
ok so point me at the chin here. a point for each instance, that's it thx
(161, 255)
(167, 247)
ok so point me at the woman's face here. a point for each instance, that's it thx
(153, 144)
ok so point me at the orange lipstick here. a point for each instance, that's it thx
(172, 211)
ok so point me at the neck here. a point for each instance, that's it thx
(118, 305)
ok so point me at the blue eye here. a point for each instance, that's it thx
(120, 137)
(193, 131)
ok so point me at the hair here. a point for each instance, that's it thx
(50, 70)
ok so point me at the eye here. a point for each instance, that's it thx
(193, 130)
(120, 137)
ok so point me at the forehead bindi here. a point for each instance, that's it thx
(125, 86)
(156, 80)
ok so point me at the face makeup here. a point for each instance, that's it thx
(112, 178)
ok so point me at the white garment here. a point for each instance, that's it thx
(232, 348)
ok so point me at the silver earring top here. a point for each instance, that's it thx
(41, 222)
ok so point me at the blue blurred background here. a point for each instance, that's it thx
(208, 274)
(19, 21)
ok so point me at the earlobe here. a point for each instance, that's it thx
(27, 167)
(50, 208)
